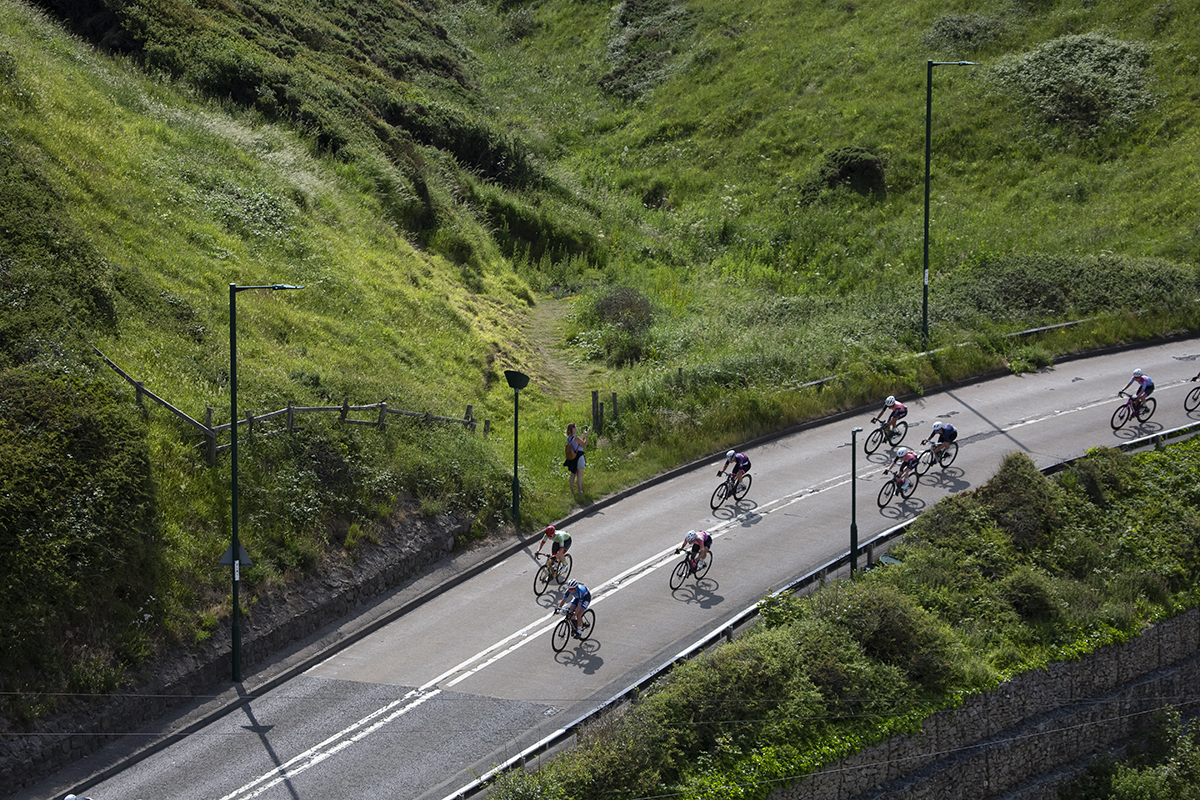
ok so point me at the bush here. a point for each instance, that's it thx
(958, 33)
(1023, 502)
(1081, 84)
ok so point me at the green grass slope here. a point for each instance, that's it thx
(729, 199)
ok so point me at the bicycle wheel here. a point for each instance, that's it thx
(897, 434)
(1192, 401)
(925, 462)
(1120, 417)
(701, 571)
(588, 625)
(948, 455)
(718, 496)
(874, 439)
(679, 574)
(907, 490)
(742, 487)
(565, 570)
(541, 579)
(1146, 409)
(561, 635)
(886, 491)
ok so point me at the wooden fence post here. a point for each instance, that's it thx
(487, 426)
(382, 412)
(249, 424)
(596, 411)
(137, 385)
(291, 417)
(210, 439)
(345, 408)
(614, 407)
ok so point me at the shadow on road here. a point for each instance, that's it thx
(583, 656)
(1136, 430)
(950, 479)
(701, 593)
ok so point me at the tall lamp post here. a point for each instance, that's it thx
(236, 555)
(518, 381)
(854, 500)
(928, 131)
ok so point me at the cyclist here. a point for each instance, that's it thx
(898, 409)
(1145, 387)
(700, 543)
(907, 460)
(946, 433)
(560, 543)
(579, 602)
(741, 465)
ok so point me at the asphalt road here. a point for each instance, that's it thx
(469, 679)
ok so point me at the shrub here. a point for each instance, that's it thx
(1023, 502)
(1081, 84)
(957, 33)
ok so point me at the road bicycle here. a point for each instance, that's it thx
(551, 571)
(727, 488)
(690, 565)
(1132, 408)
(895, 487)
(894, 436)
(565, 629)
(1192, 401)
(930, 455)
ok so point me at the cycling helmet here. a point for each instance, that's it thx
(691, 536)
(891, 401)
(572, 585)
(730, 454)
(1137, 373)
(937, 426)
(549, 530)
(902, 452)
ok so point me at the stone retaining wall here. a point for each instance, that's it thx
(276, 622)
(1043, 722)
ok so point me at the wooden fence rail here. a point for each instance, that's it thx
(210, 431)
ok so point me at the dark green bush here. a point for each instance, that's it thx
(1023, 502)
(80, 553)
(957, 34)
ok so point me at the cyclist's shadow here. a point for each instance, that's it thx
(701, 593)
(583, 655)
(950, 479)
(900, 508)
(1137, 430)
(734, 510)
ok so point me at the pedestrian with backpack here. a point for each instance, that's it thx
(575, 460)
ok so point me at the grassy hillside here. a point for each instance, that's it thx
(727, 200)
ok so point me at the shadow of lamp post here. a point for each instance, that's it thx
(928, 130)
(854, 500)
(518, 381)
(235, 556)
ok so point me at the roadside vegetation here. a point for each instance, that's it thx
(1024, 571)
(726, 219)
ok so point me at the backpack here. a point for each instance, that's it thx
(570, 450)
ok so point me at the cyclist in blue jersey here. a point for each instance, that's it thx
(580, 599)
(1145, 386)
(741, 465)
(945, 433)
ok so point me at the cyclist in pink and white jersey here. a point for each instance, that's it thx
(898, 409)
(1145, 386)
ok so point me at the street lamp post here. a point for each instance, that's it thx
(235, 555)
(928, 132)
(854, 500)
(518, 381)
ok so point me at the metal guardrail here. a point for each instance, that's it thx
(725, 631)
